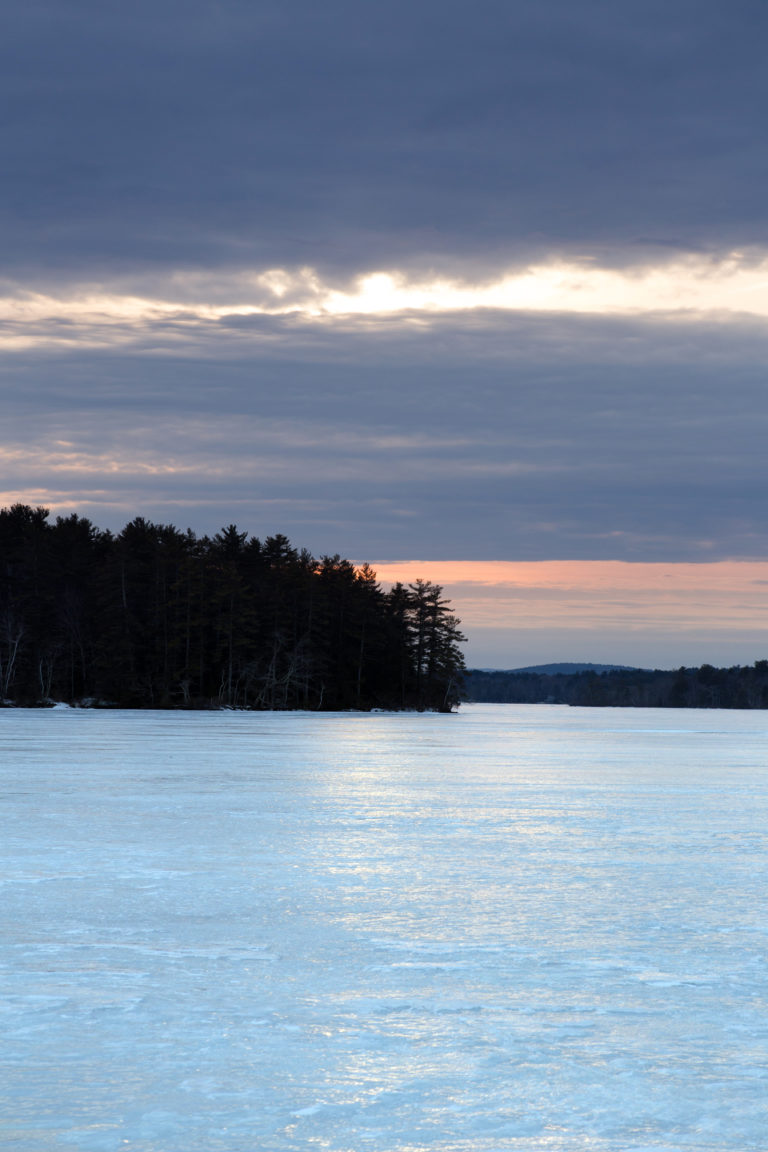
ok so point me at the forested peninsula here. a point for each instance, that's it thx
(155, 617)
(704, 687)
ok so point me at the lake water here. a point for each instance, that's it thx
(524, 928)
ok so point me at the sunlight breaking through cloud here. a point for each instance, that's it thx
(735, 284)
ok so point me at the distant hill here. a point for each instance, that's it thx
(569, 669)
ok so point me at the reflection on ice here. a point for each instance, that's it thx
(538, 929)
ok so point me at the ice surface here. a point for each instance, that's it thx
(520, 928)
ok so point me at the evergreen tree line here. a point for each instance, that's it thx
(159, 618)
(704, 687)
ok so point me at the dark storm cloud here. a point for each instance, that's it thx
(535, 438)
(347, 135)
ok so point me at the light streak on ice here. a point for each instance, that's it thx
(518, 928)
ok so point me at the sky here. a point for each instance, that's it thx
(424, 284)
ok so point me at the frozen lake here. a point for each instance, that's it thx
(537, 928)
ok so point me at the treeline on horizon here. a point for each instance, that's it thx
(704, 687)
(154, 617)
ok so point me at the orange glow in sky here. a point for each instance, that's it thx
(612, 611)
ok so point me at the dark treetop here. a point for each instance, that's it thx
(155, 617)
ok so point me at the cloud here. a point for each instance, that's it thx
(341, 136)
(195, 308)
(482, 436)
(393, 280)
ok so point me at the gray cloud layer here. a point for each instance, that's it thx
(538, 438)
(144, 142)
(345, 134)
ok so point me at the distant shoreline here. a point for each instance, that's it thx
(704, 687)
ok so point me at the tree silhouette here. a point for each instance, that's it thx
(157, 617)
